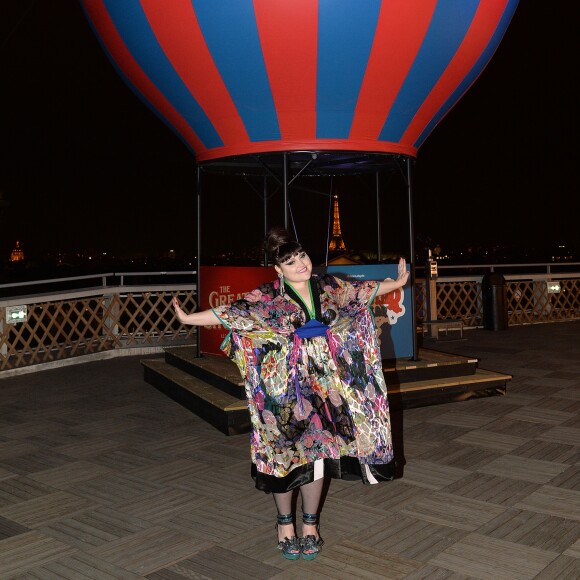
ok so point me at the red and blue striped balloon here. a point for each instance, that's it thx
(233, 77)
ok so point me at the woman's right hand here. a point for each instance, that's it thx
(202, 318)
(181, 316)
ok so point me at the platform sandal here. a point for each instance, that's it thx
(290, 546)
(310, 545)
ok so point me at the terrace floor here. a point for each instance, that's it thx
(104, 477)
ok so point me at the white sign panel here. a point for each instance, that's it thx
(16, 314)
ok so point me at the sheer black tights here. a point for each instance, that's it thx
(310, 495)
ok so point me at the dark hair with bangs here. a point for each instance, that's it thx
(280, 245)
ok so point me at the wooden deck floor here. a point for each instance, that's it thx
(104, 477)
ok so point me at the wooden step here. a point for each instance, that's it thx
(221, 372)
(429, 364)
(214, 369)
(227, 413)
(422, 393)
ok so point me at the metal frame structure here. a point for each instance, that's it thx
(287, 166)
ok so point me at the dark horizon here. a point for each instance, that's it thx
(252, 255)
(86, 165)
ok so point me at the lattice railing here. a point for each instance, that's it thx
(76, 325)
(455, 299)
(89, 322)
(529, 302)
(460, 300)
(420, 300)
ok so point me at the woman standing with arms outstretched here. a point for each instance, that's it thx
(307, 350)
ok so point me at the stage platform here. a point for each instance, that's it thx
(211, 387)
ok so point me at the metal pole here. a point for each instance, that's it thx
(198, 187)
(379, 244)
(265, 217)
(412, 256)
(285, 189)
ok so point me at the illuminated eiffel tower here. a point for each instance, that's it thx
(336, 242)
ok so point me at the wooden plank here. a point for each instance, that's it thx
(216, 562)
(532, 470)
(26, 551)
(502, 491)
(495, 441)
(410, 537)
(47, 508)
(480, 378)
(554, 501)
(149, 550)
(563, 435)
(431, 475)
(94, 528)
(80, 565)
(482, 557)
(534, 529)
(454, 511)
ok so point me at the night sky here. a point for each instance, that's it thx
(85, 165)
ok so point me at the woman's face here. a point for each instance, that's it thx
(297, 269)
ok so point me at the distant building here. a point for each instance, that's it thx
(336, 242)
(17, 254)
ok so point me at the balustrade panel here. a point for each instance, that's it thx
(81, 325)
(96, 321)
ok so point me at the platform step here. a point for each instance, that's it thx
(221, 372)
(173, 376)
(430, 364)
(227, 413)
(422, 393)
(217, 370)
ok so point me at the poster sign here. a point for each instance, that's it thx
(392, 311)
(223, 285)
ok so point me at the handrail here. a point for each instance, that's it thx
(58, 280)
(77, 293)
(548, 266)
(162, 273)
(102, 276)
(523, 276)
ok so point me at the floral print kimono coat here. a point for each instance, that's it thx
(314, 383)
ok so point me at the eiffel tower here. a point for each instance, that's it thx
(336, 242)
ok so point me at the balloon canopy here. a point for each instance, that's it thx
(240, 77)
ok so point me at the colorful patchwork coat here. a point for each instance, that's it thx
(314, 384)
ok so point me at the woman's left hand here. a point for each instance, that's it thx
(389, 284)
(402, 273)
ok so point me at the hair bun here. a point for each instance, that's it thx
(280, 245)
(277, 237)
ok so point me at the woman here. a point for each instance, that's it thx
(306, 347)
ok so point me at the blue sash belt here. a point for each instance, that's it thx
(312, 328)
